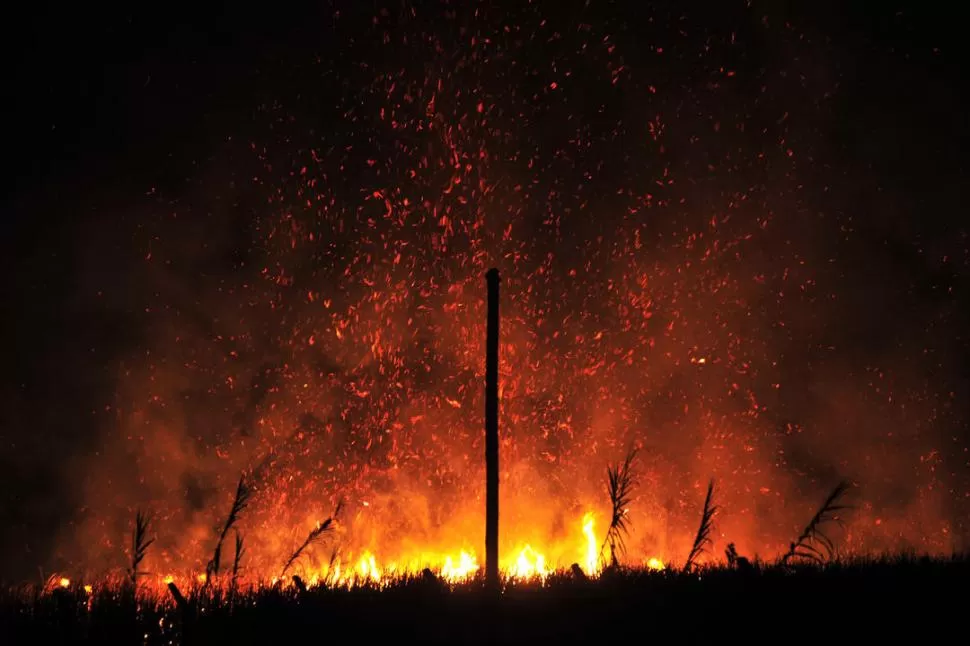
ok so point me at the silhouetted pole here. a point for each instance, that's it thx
(491, 433)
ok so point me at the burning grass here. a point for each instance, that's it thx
(598, 595)
(560, 606)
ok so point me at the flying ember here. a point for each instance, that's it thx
(306, 397)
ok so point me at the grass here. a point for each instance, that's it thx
(699, 602)
(237, 560)
(315, 535)
(241, 499)
(708, 602)
(813, 544)
(139, 545)
(703, 537)
(620, 481)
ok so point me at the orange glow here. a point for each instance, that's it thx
(88, 589)
(524, 563)
(339, 353)
(465, 568)
(529, 564)
(64, 582)
(367, 568)
(591, 560)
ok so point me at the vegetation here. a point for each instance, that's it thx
(741, 598)
(314, 536)
(139, 545)
(703, 537)
(813, 544)
(238, 505)
(619, 487)
(563, 609)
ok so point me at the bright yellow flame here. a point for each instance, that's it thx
(64, 582)
(591, 560)
(367, 568)
(466, 567)
(527, 561)
(528, 565)
(88, 589)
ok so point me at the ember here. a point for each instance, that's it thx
(679, 283)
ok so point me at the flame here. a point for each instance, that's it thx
(524, 563)
(591, 560)
(466, 567)
(347, 354)
(367, 568)
(528, 565)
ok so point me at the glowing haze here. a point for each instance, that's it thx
(673, 281)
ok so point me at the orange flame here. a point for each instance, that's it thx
(591, 558)
(465, 568)
(529, 564)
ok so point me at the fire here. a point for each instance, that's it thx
(466, 567)
(88, 589)
(367, 568)
(335, 346)
(201, 578)
(591, 560)
(64, 582)
(524, 563)
(528, 565)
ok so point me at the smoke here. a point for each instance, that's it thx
(690, 266)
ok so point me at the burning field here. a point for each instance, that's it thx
(716, 306)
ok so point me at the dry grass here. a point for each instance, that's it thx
(619, 487)
(315, 535)
(239, 503)
(565, 609)
(139, 545)
(703, 537)
(237, 559)
(813, 544)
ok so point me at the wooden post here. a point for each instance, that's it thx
(491, 433)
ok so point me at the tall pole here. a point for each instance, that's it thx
(491, 433)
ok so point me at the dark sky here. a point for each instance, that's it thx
(101, 106)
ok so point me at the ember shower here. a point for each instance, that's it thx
(677, 276)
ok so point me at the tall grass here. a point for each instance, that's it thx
(562, 610)
(237, 560)
(239, 503)
(619, 487)
(813, 544)
(315, 535)
(139, 545)
(703, 537)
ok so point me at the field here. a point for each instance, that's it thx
(861, 598)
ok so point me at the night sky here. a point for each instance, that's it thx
(114, 120)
